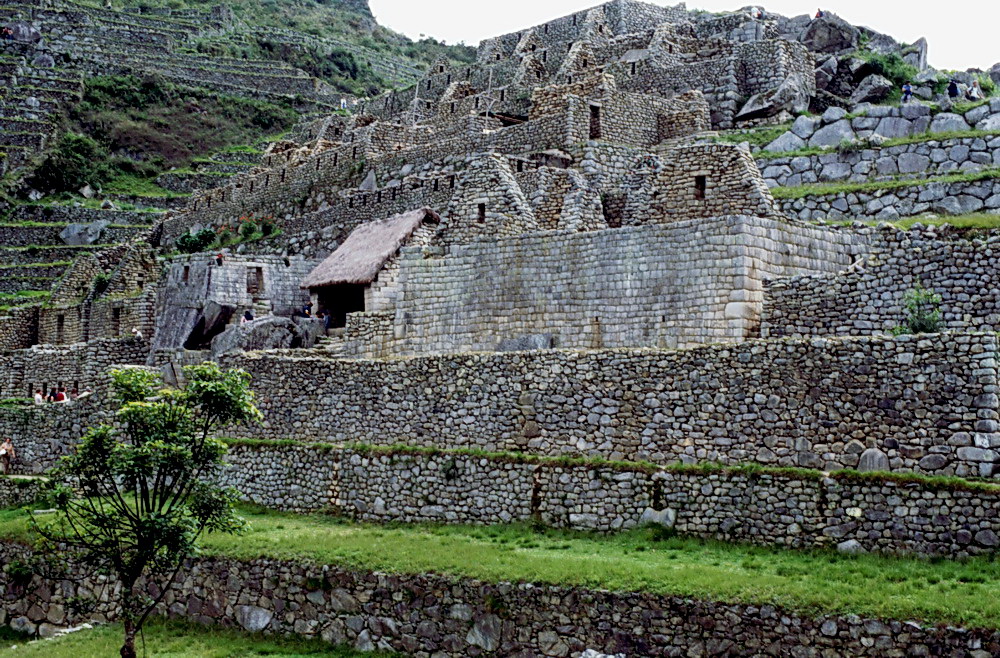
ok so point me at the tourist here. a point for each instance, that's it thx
(325, 316)
(39, 397)
(219, 258)
(74, 394)
(820, 13)
(307, 310)
(953, 91)
(51, 397)
(136, 333)
(86, 394)
(7, 455)
(756, 13)
(61, 395)
(247, 317)
(907, 92)
(975, 92)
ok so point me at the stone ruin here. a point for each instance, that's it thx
(550, 253)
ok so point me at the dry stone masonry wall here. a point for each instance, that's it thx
(866, 300)
(436, 615)
(772, 508)
(924, 404)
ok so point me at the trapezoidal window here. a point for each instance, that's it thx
(255, 281)
(595, 122)
(116, 321)
(187, 274)
(700, 185)
(633, 68)
(60, 328)
(481, 213)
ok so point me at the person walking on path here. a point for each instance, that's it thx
(7, 455)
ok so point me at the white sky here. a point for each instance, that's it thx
(961, 34)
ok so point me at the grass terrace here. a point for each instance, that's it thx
(648, 560)
(801, 191)
(973, 221)
(173, 639)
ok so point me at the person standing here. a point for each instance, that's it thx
(39, 397)
(7, 455)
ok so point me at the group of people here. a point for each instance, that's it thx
(973, 92)
(59, 395)
(7, 33)
(324, 315)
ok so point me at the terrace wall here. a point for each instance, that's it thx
(924, 404)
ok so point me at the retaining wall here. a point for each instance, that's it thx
(770, 508)
(962, 267)
(440, 615)
(819, 403)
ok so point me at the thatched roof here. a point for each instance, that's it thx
(365, 251)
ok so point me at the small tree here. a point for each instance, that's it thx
(133, 500)
(922, 315)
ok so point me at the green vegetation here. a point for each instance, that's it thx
(760, 136)
(134, 500)
(168, 124)
(890, 66)
(936, 591)
(922, 312)
(801, 191)
(172, 639)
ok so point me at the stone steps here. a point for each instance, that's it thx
(19, 124)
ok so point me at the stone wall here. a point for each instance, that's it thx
(83, 366)
(684, 283)
(943, 198)
(17, 491)
(763, 507)
(441, 615)
(41, 435)
(868, 299)
(925, 404)
(918, 160)
(882, 121)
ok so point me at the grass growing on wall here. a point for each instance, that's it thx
(819, 189)
(174, 639)
(973, 221)
(809, 582)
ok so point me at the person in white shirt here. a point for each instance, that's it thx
(39, 398)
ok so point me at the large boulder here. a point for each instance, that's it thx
(872, 89)
(916, 54)
(830, 34)
(995, 73)
(788, 141)
(826, 72)
(948, 122)
(792, 95)
(267, 333)
(23, 32)
(833, 134)
(84, 234)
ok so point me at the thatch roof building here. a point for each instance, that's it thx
(365, 252)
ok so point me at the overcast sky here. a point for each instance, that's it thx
(962, 33)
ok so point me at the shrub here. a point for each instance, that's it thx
(922, 315)
(890, 66)
(75, 161)
(100, 283)
(192, 243)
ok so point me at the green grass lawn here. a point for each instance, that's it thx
(173, 640)
(935, 591)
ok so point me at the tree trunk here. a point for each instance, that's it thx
(128, 649)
